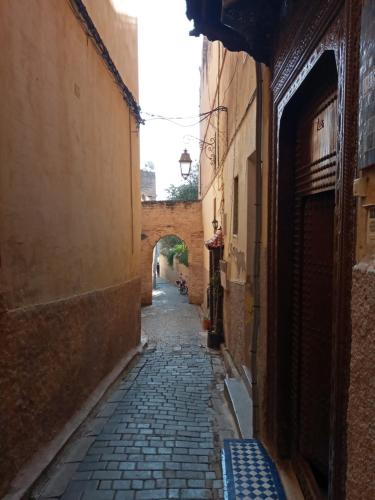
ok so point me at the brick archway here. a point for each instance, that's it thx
(183, 219)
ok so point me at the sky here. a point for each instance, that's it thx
(169, 78)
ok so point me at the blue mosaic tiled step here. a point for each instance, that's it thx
(248, 472)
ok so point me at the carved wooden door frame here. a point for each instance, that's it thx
(336, 26)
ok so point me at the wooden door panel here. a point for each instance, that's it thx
(316, 329)
(314, 205)
(316, 148)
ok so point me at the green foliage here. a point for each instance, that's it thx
(168, 242)
(171, 246)
(181, 252)
(170, 256)
(188, 191)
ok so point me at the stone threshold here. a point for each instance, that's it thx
(238, 396)
(241, 405)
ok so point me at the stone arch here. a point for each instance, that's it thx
(183, 219)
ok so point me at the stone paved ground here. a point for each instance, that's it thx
(158, 433)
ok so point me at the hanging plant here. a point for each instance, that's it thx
(181, 252)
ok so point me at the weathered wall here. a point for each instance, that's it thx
(180, 218)
(69, 224)
(361, 408)
(238, 315)
(228, 79)
(52, 358)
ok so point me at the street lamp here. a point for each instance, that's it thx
(185, 164)
(215, 224)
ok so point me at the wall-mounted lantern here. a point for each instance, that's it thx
(215, 224)
(185, 164)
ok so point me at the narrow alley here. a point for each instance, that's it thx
(159, 431)
(223, 146)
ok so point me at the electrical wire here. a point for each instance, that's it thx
(218, 108)
(202, 117)
(176, 123)
(80, 11)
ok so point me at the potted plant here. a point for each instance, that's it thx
(206, 323)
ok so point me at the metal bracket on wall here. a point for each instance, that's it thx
(208, 147)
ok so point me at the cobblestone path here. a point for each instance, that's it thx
(158, 435)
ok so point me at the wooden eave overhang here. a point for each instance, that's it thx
(241, 25)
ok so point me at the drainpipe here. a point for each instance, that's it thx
(257, 249)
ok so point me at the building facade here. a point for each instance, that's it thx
(227, 185)
(70, 213)
(298, 258)
(148, 185)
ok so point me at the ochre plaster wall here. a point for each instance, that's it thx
(119, 30)
(228, 79)
(59, 152)
(179, 218)
(69, 221)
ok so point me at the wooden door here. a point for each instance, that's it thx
(316, 331)
(216, 291)
(313, 264)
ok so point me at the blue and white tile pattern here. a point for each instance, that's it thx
(248, 472)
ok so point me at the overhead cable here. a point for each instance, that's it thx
(201, 116)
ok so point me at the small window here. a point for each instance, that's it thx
(235, 205)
